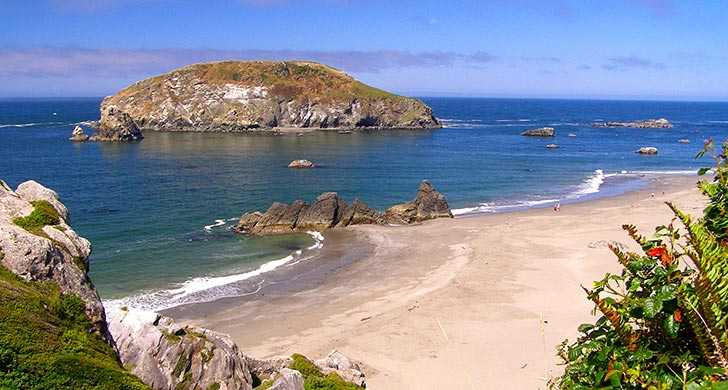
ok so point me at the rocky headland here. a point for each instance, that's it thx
(55, 332)
(661, 123)
(255, 96)
(328, 211)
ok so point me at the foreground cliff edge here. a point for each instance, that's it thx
(54, 331)
(255, 96)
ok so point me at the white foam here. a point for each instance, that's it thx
(32, 124)
(319, 238)
(218, 222)
(590, 186)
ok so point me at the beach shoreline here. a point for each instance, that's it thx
(465, 302)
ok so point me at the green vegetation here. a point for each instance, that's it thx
(664, 321)
(43, 214)
(45, 342)
(314, 379)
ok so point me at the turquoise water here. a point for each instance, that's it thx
(145, 205)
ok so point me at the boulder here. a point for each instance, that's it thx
(647, 150)
(169, 356)
(116, 125)
(247, 222)
(359, 214)
(429, 204)
(347, 369)
(540, 132)
(661, 123)
(552, 146)
(324, 213)
(51, 252)
(301, 164)
(288, 379)
(683, 141)
(280, 218)
(78, 135)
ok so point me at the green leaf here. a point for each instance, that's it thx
(651, 306)
(671, 326)
(703, 171)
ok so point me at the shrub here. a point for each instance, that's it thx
(664, 322)
(314, 379)
(43, 214)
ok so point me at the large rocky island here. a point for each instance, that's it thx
(237, 96)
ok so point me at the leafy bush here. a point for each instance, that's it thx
(664, 321)
(314, 379)
(43, 214)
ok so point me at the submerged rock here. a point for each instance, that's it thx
(168, 356)
(253, 96)
(552, 146)
(647, 150)
(661, 123)
(540, 132)
(429, 204)
(45, 247)
(301, 164)
(78, 135)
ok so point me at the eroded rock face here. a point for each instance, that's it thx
(661, 123)
(288, 379)
(53, 252)
(257, 95)
(167, 356)
(540, 132)
(429, 204)
(329, 211)
(116, 125)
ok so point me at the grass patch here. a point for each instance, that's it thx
(45, 343)
(43, 214)
(314, 379)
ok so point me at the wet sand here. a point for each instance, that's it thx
(469, 303)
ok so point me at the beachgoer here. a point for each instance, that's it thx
(557, 206)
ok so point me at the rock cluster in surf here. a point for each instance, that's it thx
(661, 123)
(330, 211)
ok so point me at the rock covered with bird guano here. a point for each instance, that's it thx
(647, 150)
(38, 244)
(429, 204)
(661, 123)
(252, 96)
(116, 125)
(329, 210)
(169, 356)
(301, 164)
(540, 132)
(78, 135)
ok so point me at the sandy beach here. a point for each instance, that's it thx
(469, 303)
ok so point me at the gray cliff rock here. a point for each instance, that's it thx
(168, 356)
(51, 252)
(329, 211)
(288, 379)
(540, 132)
(254, 96)
(661, 123)
(78, 135)
(429, 204)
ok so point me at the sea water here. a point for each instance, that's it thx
(159, 212)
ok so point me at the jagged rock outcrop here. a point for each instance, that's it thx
(301, 164)
(78, 135)
(540, 132)
(647, 150)
(38, 244)
(661, 123)
(116, 125)
(346, 368)
(329, 211)
(168, 356)
(255, 95)
(429, 204)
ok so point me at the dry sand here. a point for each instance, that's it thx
(471, 303)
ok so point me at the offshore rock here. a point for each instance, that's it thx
(647, 150)
(301, 164)
(52, 252)
(253, 96)
(78, 135)
(168, 356)
(540, 132)
(661, 123)
(429, 204)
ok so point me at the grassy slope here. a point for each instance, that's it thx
(44, 342)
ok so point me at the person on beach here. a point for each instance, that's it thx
(557, 206)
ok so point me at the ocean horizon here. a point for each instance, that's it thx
(159, 212)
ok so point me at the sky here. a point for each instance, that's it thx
(608, 49)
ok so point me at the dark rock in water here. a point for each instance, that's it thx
(78, 135)
(329, 210)
(360, 214)
(116, 125)
(540, 132)
(323, 213)
(661, 123)
(429, 204)
(647, 150)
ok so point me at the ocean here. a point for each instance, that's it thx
(159, 212)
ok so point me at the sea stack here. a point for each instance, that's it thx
(647, 150)
(238, 96)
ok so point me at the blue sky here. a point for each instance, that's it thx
(649, 49)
